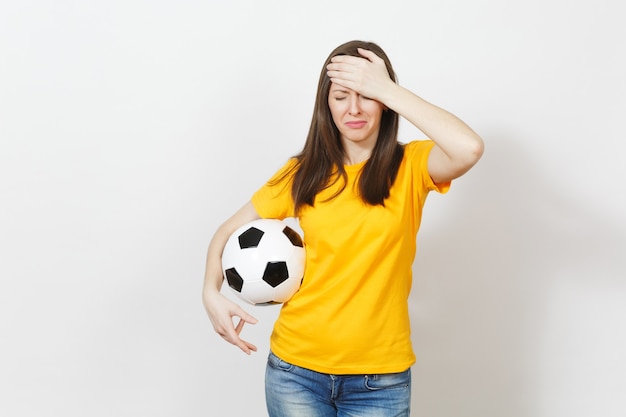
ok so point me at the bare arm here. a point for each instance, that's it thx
(220, 309)
(457, 146)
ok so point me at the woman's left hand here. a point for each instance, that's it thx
(367, 76)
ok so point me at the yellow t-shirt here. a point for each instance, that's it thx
(351, 315)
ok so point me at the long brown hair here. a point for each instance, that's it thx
(321, 162)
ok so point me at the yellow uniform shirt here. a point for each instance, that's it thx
(351, 315)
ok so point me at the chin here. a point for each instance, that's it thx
(358, 139)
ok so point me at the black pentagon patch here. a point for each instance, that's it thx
(275, 273)
(293, 236)
(250, 238)
(234, 279)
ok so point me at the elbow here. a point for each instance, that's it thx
(445, 167)
(471, 155)
(476, 150)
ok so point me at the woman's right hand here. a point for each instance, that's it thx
(220, 309)
(221, 312)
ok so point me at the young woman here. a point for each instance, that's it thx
(341, 346)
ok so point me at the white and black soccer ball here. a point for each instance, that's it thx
(263, 261)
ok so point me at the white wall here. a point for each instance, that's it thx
(130, 129)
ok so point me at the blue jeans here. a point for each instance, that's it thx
(291, 391)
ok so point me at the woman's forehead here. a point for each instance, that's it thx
(339, 88)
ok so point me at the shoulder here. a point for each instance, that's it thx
(417, 149)
(416, 155)
(285, 171)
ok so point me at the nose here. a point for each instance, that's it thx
(355, 106)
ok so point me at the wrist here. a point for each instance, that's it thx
(212, 285)
(391, 95)
(209, 295)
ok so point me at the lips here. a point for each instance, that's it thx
(357, 124)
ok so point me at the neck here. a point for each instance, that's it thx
(355, 153)
(355, 160)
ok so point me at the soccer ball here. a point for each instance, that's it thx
(263, 261)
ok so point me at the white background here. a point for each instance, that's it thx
(131, 129)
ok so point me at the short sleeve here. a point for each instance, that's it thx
(273, 200)
(418, 152)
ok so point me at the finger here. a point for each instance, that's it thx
(343, 82)
(347, 59)
(231, 335)
(338, 67)
(369, 55)
(229, 331)
(244, 345)
(250, 346)
(240, 326)
(242, 314)
(340, 75)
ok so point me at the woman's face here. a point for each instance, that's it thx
(356, 117)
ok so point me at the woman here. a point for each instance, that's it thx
(341, 345)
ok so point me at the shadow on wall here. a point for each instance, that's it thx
(485, 276)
